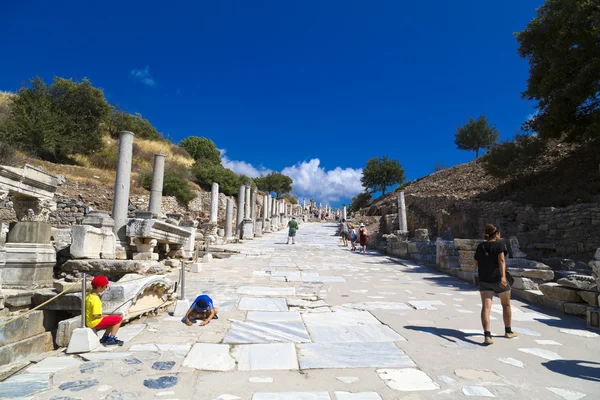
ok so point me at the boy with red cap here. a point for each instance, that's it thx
(93, 313)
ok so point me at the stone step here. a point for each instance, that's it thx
(22, 349)
(22, 328)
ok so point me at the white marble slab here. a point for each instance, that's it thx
(51, 365)
(548, 343)
(263, 357)
(323, 279)
(104, 356)
(512, 361)
(407, 379)
(262, 304)
(357, 396)
(580, 332)
(526, 332)
(144, 347)
(266, 291)
(348, 379)
(292, 396)
(445, 379)
(378, 305)
(127, 333)
(259, 379)
(353, 334)
(341, 318)
(425, 304)
(210, 357)
(546, 354)
(24, 385)
(476, 391)
(567, 394)
(267, 332)
(352, 355)
(287, 316)
(180, 350)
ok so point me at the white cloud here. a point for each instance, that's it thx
(242, 167)
(143, 75)
(311, 180)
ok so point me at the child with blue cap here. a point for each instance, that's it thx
(202, 308)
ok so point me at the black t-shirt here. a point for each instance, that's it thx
(487, 261)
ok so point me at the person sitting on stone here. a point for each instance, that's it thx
(93, 313)
(202, 308)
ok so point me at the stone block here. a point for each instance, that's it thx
(30, 325)
(28, 266)
(581, 282)
(90, 242)
(555, 291)
(514, 249)
(61, 238)
(526, 283)
(61, 284)
(575, 308)
(16, 299)
(545, 275)
(247, 230)
(162, 231)
(20, 350)
(113, 267)
(466, 259)
(467, 244)
(196, 267)
(181, 307)
(66, 329)
(422, 235)
(538, 298)
(593, 318)
(83, 340)
(591, 298)
(66, 302)
(98, 219)
(6, 371)
(30, 232)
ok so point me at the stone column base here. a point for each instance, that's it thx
(247, 230)
(28, 266)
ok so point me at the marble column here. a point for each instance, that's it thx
(240, 211)
(122, 186)
(253, 204)
(158, 174)
(248, 223)
(274, 224)
(344, 211)
(214, 203)
(402, 222)
(265, 213)
(229, 219)
(247, 203)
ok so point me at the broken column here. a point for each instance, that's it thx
(228, 219)
(239, 222)
(121, 197)
(256, 222)
(265, 213)
(403, 224)
(344, 211)
(158, 173)
(214, 203)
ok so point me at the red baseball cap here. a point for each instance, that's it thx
(99, 281)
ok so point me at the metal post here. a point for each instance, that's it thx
(83, 285)
(182, 280)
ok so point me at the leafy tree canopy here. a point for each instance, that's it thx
(476, 135)
(359, 201)
(380, 173)
(121, 121)
(290, 198)
(206, 173)
(563, 48)
(201, 149)
(274, 182)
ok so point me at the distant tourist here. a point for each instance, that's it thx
(493, 278)
(292, 228)
(202, 308)
(344, 230)
(363, 236)
(448, 234)
(93, 313)
(353, 237)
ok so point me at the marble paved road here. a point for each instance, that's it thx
(316, 321)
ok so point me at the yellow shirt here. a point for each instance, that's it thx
(93, 306)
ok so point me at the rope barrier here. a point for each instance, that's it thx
(60, 294)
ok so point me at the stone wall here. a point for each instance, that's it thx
(543, 232)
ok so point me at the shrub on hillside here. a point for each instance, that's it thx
(359, 201)
(205, 173)
(174, 183)
(121, 121)
(8, 155)
(290, 198)
(514, 158)
(201, 149)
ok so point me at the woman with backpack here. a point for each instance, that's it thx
(493, 278)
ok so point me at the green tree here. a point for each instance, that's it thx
(57, 121)
(563, 49)
(290, 198)
(205, 173)
(274, 182)
(174, 183)
(379, 173)
(359, 201)
(121, 121)
(201, 149)
(476, 135)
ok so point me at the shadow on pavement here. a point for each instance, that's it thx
(451, 335)
(575, 369)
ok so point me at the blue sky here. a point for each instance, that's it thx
(311, 88)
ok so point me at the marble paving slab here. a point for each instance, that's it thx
(264, 357)
(210, 357)
(266, 291)
(478, 391)
(352, 355)
(378, 305)
(267, 332)
(24, 385)
(292, 396)
(354, 334)
(425, 304)
(262, 304)
(287, 316)
(567, 394)
(407, 379)
(104, 356)
(546, 354)
(51, 365)
(323, 279)
(341, 318)
(357, 396)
